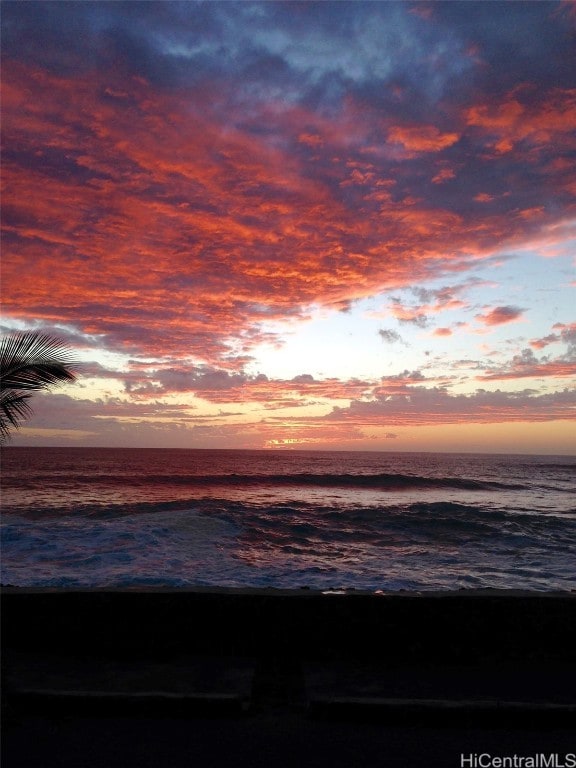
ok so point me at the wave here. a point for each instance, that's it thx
(428, 519)
(568, 467)
(218, 542)
(380, 481)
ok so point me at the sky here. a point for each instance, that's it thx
(297, 225)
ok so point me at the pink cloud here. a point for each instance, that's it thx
(500, 315)
(544, 341)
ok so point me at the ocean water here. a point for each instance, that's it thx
(96, 517)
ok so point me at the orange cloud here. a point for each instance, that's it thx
(310, 139)
(445, 174)
(509, 122)
(422, 138)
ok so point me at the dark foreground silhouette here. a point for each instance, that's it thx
(262, 678)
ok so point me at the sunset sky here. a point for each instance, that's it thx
(327, 225)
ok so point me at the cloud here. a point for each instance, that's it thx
(205, 169)
(483, 197)
(217, 385)
(544, 341)
(421, 138)
(389, 336)
(183, 178)
(443, 175)
(398, 384)
(517, 119)
(500, 315)
(408, 315)
(419, 406)
(60, 419)
(432, 301)
(567, 335)
(527, 365)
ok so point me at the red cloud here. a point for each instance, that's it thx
(170, 224)
(511, 121)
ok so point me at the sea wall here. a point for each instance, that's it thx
(444, 626)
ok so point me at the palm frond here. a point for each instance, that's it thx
(29, 362)
(34, 361)
(14, 407)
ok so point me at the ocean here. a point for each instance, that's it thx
(99, 517)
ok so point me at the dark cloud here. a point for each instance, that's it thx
(330, 48)
(503, 36)
(525, 365)
(568, 337)
(217, 385)
(409, 315)
(422, 405)
(389, 336)
(500, 315)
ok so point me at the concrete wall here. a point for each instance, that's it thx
(459, 626)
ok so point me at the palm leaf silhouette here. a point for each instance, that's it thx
(29, 362)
